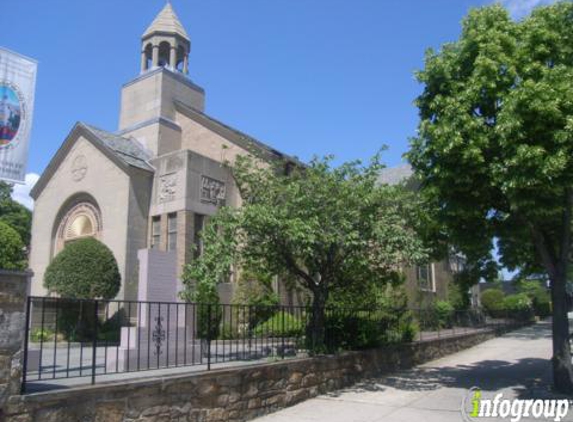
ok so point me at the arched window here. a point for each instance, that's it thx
(164, 52)
(79, 218)
(180, 58)
(148, 56)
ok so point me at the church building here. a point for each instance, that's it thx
(147, 189)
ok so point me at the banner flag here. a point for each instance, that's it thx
(17, 88)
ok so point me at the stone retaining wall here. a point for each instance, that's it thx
(235, 394)
(14, 287)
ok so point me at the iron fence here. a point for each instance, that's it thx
(72, 338)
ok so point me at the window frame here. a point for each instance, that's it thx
(171, 232)
(430, 281)
(155, 239)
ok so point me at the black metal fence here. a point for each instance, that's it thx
(69, 338)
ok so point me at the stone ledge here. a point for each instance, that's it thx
(228, 394)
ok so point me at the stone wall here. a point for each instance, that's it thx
(233, 394)
(14, 287)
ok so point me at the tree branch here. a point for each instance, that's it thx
(289, 260)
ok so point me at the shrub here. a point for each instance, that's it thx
(444, 311)
(38, 335)
(540, 298)
(229, 332)
(519, 306)
(492, 301)
(255, 291)
(12, 252)
(281, 324)
(353, 330)
(209, 311)
(408, 330)
(85, 269)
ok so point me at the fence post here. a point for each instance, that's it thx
(283, 331)
(26, 343)
(94, 342)
(208, 337)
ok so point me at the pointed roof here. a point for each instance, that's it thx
(166, 21)
(126, 153)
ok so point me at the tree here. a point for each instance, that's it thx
(12, 251)
(14, 214)
(324, 226)
(85, 269)
(494, 150)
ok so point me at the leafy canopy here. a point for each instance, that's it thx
(495, 149)
(85, 269)
(495, 144)
(12, 252)
(14, 214)
(324, 226)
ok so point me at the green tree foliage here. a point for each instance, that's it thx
(256, 292)
(495, 148)
(85, 269)
(324, 226)
(209, 311)
(12, 251)
(14, 214)
(540, 298)
(493, 301)
(444, 312)
(518, 306)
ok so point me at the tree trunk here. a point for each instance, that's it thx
(317, 329)
(557, 266)
(562, 368)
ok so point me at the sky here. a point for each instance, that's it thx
(308, 77)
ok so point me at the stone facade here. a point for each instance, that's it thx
(166, 163)
(14, 286)
(236, 394)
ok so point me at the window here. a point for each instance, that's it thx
(155, 232)
(199, 222)
(172, 231)
(425, 276)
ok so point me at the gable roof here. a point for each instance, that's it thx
(126, 153)
(233, 135)
(166, 21)
(127, 149)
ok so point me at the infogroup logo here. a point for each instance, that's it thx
(476, 406)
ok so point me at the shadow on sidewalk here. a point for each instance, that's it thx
(528, 377)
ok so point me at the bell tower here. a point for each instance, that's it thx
(148, 102)
(165, 43)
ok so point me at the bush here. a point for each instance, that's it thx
(353, 330)
(12, 252)
(38, 335)
(408, 329)
(444, 311)
(209, 311)
(540, 298)
(254, 291)
(492, 301)
(281, 324)
(229, 332)
(519, 306)
(85, 269)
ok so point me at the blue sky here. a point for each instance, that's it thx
(308, 76)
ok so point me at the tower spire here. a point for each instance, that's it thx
(165, 42)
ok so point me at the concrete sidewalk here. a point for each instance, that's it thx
(516, 365)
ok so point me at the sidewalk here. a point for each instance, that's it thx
(516, 365)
